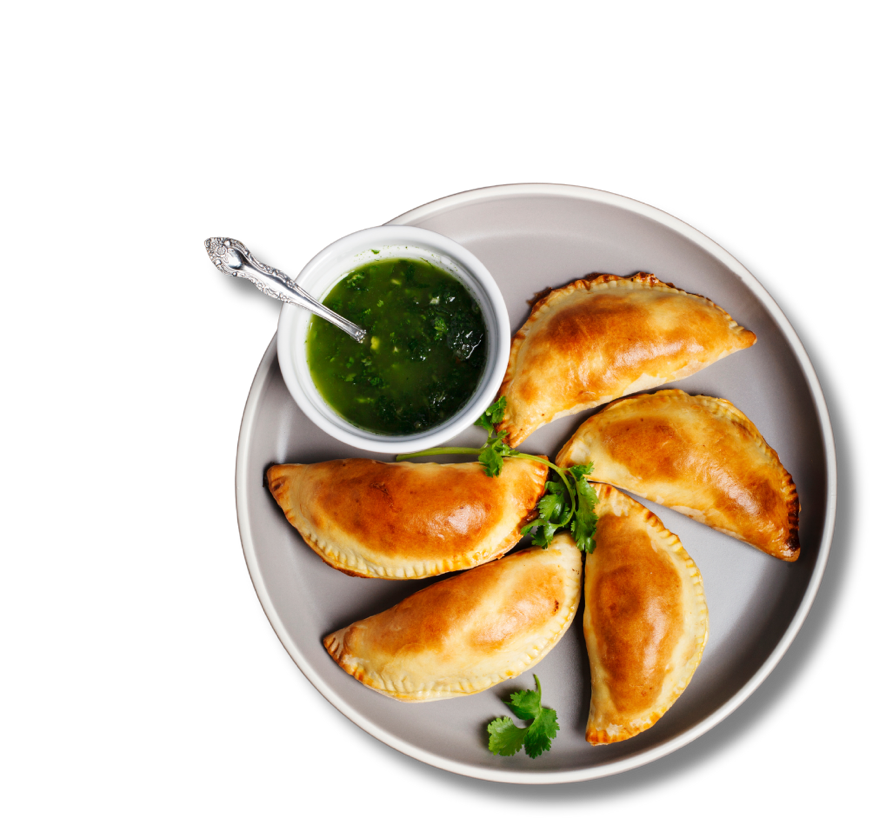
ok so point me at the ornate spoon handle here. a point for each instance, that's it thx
(233, 257)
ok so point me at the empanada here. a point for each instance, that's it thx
(604, 337)
(644, 620)
(468, 632)
(406, 520)
(698, 455)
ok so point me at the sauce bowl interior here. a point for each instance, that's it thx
(339, 259)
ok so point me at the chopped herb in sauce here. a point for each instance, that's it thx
(424, 353)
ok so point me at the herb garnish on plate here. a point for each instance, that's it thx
(506, 738)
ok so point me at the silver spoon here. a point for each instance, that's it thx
(233, 257)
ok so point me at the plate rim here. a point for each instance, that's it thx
(628, 763)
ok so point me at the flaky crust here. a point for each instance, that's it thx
(469, 632)
(645, 619)
(407, 520)
(698, 455)
(606, 336)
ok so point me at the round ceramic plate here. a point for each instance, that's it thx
(532, 237)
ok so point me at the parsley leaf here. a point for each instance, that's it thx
(492, 416)
(551, 506)
(492, 462)
(584, 519)
(507, 739)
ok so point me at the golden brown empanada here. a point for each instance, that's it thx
(468, 632)
(645, 618)
(604, 337)
(406, 520)
(698, 455)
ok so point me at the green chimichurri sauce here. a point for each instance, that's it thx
(424, 353)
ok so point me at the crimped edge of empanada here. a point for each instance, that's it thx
(334, 645)
(787, 549)
(355, 565)
(602, 735)
(517, 434)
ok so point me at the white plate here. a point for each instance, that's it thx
(532, 237)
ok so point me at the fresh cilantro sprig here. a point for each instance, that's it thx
(568, 503)
(506, 738)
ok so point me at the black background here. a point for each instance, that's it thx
(244, 711)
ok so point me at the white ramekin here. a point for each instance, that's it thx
(354, 250)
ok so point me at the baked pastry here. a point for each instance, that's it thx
(645, 619)
(406, 520)
(469, 632)
(698, 455)
(604, 337)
